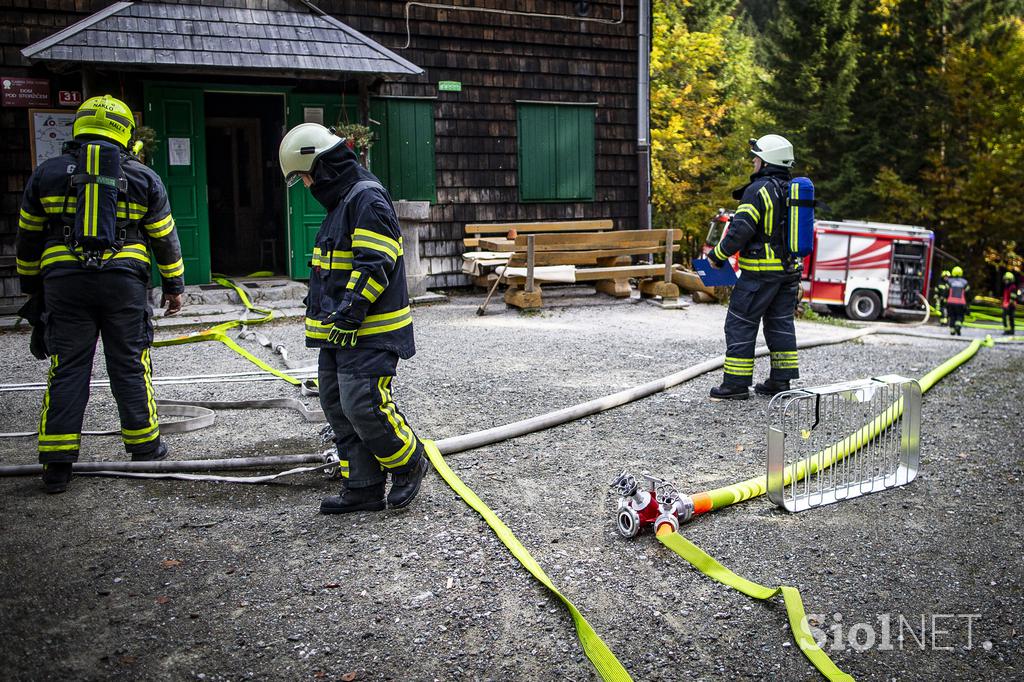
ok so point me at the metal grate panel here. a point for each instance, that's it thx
(842, 441)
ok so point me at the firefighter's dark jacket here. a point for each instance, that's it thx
(47, 207)
(359, 248)
(761, 208)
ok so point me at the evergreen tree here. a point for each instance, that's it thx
(810, 48)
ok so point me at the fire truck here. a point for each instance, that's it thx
(868, 269)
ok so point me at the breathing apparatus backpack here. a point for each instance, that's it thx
(793, 235)
(96, 182)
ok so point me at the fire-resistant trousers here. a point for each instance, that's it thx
(372, 436)
(80, 308)
(957, 312)
(1008, 318)
(754, 300)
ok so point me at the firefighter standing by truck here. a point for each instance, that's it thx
(941, 291)
(956, 300)
(1011, 295)
(91, 220)
(769, 285)
(358, 315)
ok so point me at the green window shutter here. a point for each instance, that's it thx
(556, 152)
(403, 155)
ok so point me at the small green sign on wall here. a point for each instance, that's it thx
(449, 86)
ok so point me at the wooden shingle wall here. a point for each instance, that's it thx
(499, 59)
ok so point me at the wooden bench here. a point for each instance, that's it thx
(604, 258)
(480, 265)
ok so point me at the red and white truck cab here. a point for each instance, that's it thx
(868, 269)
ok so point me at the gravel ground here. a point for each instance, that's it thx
(129, 579)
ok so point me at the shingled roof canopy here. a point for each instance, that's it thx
(219, 39)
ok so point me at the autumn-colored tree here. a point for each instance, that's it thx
(703, 109)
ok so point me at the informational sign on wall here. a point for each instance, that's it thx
(179, 151)
(69, 98)
(313, 115)
(50, 129)
(25, 92)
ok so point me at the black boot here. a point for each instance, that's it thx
(771, 387)
(729, 391)
(370, 498)
(404, 486)
(56, 477)
(154, 455)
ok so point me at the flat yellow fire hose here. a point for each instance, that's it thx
(755, 487)
(607, 665)
(707, 565)
(218, 333)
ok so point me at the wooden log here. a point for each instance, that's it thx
(650, 288)
(547, 226)
(619, 288)
(518, 298)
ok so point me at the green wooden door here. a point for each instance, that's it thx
(176, 114)
(304, 213)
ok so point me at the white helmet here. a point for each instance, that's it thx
(773, 149)
(302, 146)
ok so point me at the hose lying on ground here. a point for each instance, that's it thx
(448, 446)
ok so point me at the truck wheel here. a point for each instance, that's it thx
(864, 306)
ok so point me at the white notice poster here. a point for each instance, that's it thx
(313, 115)
(179, 150)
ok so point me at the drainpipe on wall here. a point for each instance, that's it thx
(643, 116)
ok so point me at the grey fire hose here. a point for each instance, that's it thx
(446, 446)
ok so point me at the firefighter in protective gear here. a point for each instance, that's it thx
(1011, 296)
(358, 316)
(941, 291)
(81, 304)
(767, 289)
(956, 300)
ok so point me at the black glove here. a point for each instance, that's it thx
(714, 262)
(37, 343)
(347, 320)
(34, 313)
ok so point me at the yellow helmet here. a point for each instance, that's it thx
(945, 273)
(957, 271)
(1008, 277)
(107, 117)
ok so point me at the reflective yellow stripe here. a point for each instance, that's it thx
(750, 210)
(62, 254)
(332, 260)
(154, 422)
(32, 218)
(739, 366)
(30, 222)
(175, 269)
(160, 228)
(769, 211)
(794, 218)
(60, 437)
(719, 253)
(372, 290)
(27, 267)
(401, 429)
(57, 448)
(761, 264)
(365, 239)
(54, 363)
(373, 324)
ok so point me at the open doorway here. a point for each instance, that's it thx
(248, 226)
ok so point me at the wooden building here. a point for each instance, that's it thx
(486, 110)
